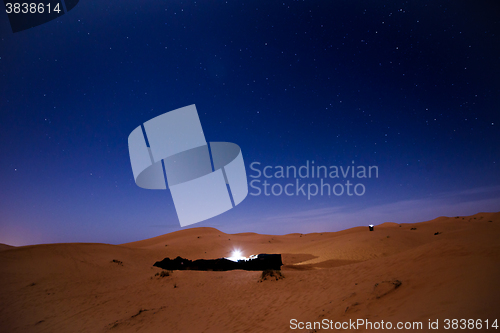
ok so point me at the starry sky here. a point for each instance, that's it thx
(409, 86)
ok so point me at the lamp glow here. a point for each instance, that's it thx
(236, 255)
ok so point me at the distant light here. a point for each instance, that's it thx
(236, 255)
(371, 227)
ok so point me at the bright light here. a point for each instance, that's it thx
(236, 255)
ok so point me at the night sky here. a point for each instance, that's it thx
(409, 86)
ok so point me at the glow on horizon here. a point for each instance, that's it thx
(236, 255)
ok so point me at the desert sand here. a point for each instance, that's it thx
(447, 268)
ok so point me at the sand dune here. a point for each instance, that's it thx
(445, 268)
(5, 247)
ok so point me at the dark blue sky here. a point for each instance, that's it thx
(409, 86)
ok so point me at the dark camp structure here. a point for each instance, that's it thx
(259, 263)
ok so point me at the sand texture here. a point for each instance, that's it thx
(445, 268)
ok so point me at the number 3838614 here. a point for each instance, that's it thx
(31, 8)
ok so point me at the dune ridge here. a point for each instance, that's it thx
(5, 247)
(448, 267)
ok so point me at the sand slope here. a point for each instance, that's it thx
(393, 274)
(5, 247)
